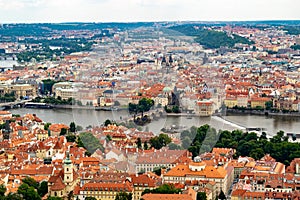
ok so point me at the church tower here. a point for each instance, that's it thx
(68, 170)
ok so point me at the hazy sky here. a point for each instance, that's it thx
(146, 10)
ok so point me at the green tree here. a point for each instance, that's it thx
(63, 131)
(79, 103)
(269, 105)
(157, 170)
(54, 198)
(251, 136)
(79, 128)
(79, 142)
(2, 190)
(43, 188)
(143, 105)
(107, 122)
(263, 136)
(139, 143)
(117, 103)
(72, 127)
(175, 109)
(30, 182)
(146, 145)
(201, 196)
(186, 142)
(294, 137)
(90, 142)
(71, 138)
(163, 189)
(173, 146)
(278, 137)
(257, 153)
(28, 192)
(48, 84)
(46, 126)
(90, 198)
(222, 196)
(160, 141)
(14, 196)
(108, 137)
(123, 196)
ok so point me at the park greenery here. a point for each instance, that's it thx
(62, 46)
(210, 38)
(54, 198)
(8, 97)
(47, 86)
(56, 101)
(160, 141)
(201, 196)
(44, 30)
(292, 30)
(29, 189)
(143, 105)
(204, 138)
(172, 109)
(163, 189)
(90, 198)
(124, 196)
(89, 142)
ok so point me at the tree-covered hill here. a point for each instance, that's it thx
(210, 38)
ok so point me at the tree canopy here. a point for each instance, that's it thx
(72, 127)
(89, 142)
(123, 196)
(201, 196)
(211, 38)
(28, 192)
(246, 144)
(163, 189)
(143, 105)
(160, 141)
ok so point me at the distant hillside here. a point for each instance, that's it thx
(43, 29)
(210, 38)
(292, 30)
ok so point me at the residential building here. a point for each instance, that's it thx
(204, 108)
(102, 191)
(200, 171)
(148, 161)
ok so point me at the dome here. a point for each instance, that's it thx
(167, 89)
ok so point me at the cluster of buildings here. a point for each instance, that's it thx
(263, 75)
(246, 76)
(44, 155)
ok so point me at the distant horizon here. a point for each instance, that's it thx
(161, 21)
(57, 11)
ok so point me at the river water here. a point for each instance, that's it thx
(85, 118)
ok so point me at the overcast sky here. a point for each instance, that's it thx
(146, 10)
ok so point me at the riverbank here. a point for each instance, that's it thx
(264, 112)
(77, 107)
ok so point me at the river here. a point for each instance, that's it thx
(85, 118)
